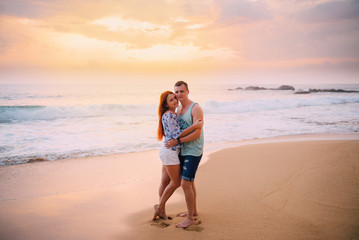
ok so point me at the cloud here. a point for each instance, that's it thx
(4, 44)
(117, 23)
(35, 44)
(342, 66)
(122, 21)
(242, 11)
(221, 33)
(30, 8)
(331, 11)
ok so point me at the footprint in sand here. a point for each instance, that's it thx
(160, 223)
(196, 227)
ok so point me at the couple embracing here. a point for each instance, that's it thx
(182, 150)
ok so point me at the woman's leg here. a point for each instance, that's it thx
(165, 180)
(173, 172)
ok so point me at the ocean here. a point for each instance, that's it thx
(59, 121)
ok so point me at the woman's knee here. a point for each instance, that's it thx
(165, 181)
(176, 184)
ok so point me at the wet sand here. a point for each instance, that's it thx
(295, 188)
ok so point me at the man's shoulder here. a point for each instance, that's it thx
(196, 107)
(197, 110)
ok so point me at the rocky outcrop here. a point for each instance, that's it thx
(325, 90)
(286, 87)
(255, 88)
(238, 88)
(291, 88)
(283, 87)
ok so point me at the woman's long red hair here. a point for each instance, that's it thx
(162, 108)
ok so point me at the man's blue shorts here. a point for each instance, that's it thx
(189, 165)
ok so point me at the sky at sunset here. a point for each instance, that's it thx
(298, 39)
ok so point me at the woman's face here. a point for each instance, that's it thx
(172, 101)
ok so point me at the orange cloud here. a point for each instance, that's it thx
(176, 36)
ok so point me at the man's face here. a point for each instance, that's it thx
(181, 92)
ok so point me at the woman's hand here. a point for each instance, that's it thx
(198, 123)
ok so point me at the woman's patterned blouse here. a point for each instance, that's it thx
(171, 127)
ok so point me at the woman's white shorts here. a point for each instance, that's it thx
(169, 156)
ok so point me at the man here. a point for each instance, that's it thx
(191, 151)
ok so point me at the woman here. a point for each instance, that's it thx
(169, 128)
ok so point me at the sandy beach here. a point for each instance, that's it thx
(297, 187)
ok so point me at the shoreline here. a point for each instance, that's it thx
(213, 147)
(293, 187)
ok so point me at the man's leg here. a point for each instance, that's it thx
(188, 190)
(195, 212)
(189, 169)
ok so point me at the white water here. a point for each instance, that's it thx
(62, 121)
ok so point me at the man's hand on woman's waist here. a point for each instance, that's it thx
(171, 143)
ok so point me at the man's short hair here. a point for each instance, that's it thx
(179, 83)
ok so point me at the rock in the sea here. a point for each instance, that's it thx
(286, 87)
(283, 87)
(238, 88)
(311, 90)
(301, 91)
(255, 88)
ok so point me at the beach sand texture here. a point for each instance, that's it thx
(278, 190)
